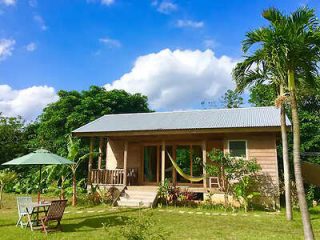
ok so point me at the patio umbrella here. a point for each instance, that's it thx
(39, 157)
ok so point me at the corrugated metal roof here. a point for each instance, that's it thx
(196, 119)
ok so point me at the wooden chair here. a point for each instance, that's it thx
(24, 205)
(55, 213)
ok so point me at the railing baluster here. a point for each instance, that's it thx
(112, 177)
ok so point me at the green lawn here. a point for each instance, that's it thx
(177, 223)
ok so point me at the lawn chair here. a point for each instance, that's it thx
(24, 204)
(55, 213)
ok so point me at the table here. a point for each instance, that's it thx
(35, 209)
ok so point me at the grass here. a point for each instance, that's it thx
(175, 223)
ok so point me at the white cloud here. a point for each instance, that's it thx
(31, 47)
(103, 2)
(40, 21)
(165, 7)
(6, 48)
(178, 79)
(189, 24)
(8, 2)
(28, 102)
(33, 3)
(107, 2)
(112, 43)
(210, 43)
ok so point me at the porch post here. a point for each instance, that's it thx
(191, 163)
(174, 177)
(100, 153)
(204, 161)
(90, 160)
(163, 161)
(106, 145)
(125, 162)
(158, 163)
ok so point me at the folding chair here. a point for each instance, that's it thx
(55, 213)
(24, 203)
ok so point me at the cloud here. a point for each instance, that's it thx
(165, 7)
(210, 43)
(40, 21)
(112, 43)
(189, 24)
(6, 48)
(33, 3)
(103, 2)
(28, 102)
(178, 79)
(8, 2)
(107, 2)
(31, 47)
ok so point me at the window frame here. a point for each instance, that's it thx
(239, 140)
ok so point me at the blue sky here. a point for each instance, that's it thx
(53, 45)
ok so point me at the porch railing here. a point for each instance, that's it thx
(113, 177)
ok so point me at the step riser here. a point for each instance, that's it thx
(138, 197)
(140, 193)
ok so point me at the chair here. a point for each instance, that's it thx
(24, 205)
(214, 182)
(55, 213)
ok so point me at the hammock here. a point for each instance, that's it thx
(182, 174)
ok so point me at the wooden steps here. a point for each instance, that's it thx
(138, 196)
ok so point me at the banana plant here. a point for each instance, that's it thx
(73, 152)
(5, 178)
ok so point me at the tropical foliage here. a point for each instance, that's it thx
(6, 177)
(52, 130)
(236, 176)
(287, 52)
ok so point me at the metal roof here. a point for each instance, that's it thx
(184, 120)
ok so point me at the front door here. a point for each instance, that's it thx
(150, 161)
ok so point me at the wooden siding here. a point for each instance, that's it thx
(261, 146)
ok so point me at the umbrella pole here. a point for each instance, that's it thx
(39, 187)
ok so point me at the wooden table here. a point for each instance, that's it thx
(35, 210)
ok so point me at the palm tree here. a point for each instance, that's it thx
(259, 68)
(290, 45)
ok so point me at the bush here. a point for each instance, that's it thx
(173, 196)
(143, 228)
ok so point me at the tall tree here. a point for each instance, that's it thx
(12, 138)
(295, 40)
(74, 109)
(232, 99)
(261, 69)
(262, 95)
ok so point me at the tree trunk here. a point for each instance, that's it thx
(74, 190)
(62, 193)
(286, 165)
(1, 191)
(307, 227)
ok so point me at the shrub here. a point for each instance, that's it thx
(235, 175)
(143, 228)
(173, 196)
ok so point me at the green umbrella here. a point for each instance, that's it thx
(39, 157)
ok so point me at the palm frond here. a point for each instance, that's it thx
(274, 16)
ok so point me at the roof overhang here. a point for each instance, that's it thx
(180, 131)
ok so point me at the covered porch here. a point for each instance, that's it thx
(143, 160)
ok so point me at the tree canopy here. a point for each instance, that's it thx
(74, 109)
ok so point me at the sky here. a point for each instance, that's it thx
(177, 52)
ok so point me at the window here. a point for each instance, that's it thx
(238, 148)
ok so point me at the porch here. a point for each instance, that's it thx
(144, 160)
